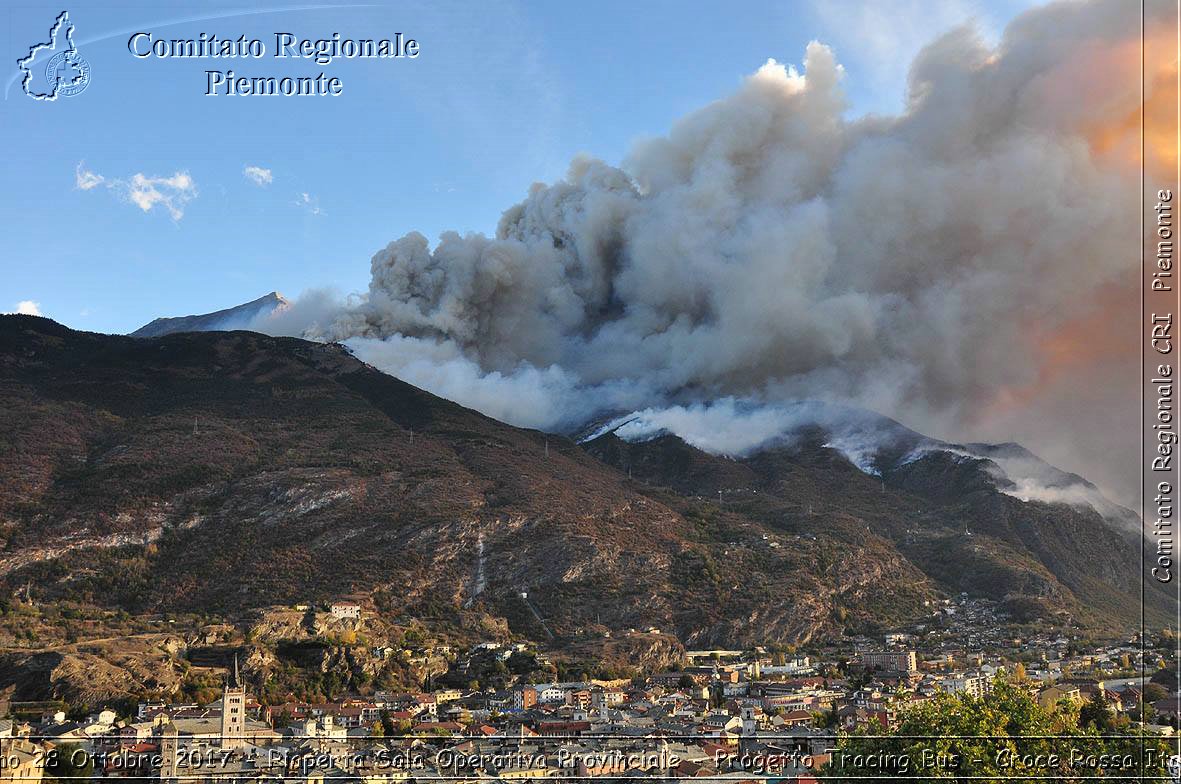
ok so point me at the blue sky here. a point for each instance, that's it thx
(502, 95)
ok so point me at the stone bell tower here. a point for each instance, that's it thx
(233, 712)
(168, 753)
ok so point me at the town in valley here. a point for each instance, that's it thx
(485, 710)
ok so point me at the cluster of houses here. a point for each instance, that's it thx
(732, 714)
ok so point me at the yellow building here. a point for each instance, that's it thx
(1052, 695)
(22, 760)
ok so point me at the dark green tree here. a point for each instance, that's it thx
(1096, 713)
(68, 761)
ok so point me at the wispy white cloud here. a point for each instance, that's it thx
(258, 175)
(310, 203)
(146, 192)
(84, 179)
(171, 193)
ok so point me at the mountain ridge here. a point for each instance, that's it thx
(130, 463)
(236, 317)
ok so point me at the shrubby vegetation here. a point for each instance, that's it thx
(1001, 737)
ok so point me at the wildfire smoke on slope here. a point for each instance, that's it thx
(944, 266)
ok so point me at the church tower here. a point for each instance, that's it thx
(750, 722)
(168, 749)
(748, 741)
(233, 712)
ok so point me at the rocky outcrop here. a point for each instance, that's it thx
(97, 672)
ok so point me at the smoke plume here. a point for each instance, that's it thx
(962, 267)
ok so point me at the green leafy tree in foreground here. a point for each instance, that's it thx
(1002, 737)
(67, 762)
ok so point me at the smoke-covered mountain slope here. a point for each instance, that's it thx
(237, 317)
(955, 512)
(875, 444)
(225, 471)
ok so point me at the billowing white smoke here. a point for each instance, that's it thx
(771, 248)
(737, 428)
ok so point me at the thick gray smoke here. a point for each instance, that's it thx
(770, 248)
